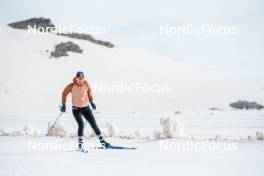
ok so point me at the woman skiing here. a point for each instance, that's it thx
(81, 98)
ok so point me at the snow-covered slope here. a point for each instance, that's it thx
(30, 93)
(31, 82)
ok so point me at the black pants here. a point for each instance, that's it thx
(88, 115)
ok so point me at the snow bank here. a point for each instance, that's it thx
(112, 130)
(158, 134)
(171, 128)
(28, 130)
(4, 132)
(218, 138)
(134, 135)
(88, 134)
(58, 130)
(259, 135)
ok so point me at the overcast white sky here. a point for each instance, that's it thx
(136, 23)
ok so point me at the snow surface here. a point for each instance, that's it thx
(148, 159)
(30, 93)
(32, 83)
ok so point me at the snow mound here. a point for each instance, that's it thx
(158, 134)
(134, 135)
(218, 137)
(28, 130)
(260, 135)
(88, 134)
(57, 130)
(172, 128)
(4, 132)
(112, 130)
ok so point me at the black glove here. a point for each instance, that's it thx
(63, 108)
(93, 105)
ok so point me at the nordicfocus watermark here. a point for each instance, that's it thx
(204, 29)
(35, 146)
(125, 87)
(198, 146)
(59, 29)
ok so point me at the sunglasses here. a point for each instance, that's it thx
(80, 78)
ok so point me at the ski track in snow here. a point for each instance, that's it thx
(149, 158)
(113, 162)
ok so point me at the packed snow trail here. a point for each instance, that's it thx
(129, 162)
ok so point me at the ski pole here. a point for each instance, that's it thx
(52, 126)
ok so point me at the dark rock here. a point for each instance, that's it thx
(177, 112)
(61, 49)
(246, 105)
(88, 38)
(215, 109)
(44, 23)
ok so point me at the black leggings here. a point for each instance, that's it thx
(88, 115)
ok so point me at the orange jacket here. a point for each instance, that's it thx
(81, 94)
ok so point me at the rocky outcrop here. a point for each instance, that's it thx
(215, 109)
(89, 38)
(44, 23)
(246, 105)
(61, 49)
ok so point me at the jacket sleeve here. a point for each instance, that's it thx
(89, 92)
(66, 92)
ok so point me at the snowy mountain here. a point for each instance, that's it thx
(167, 119)
(32, 82)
